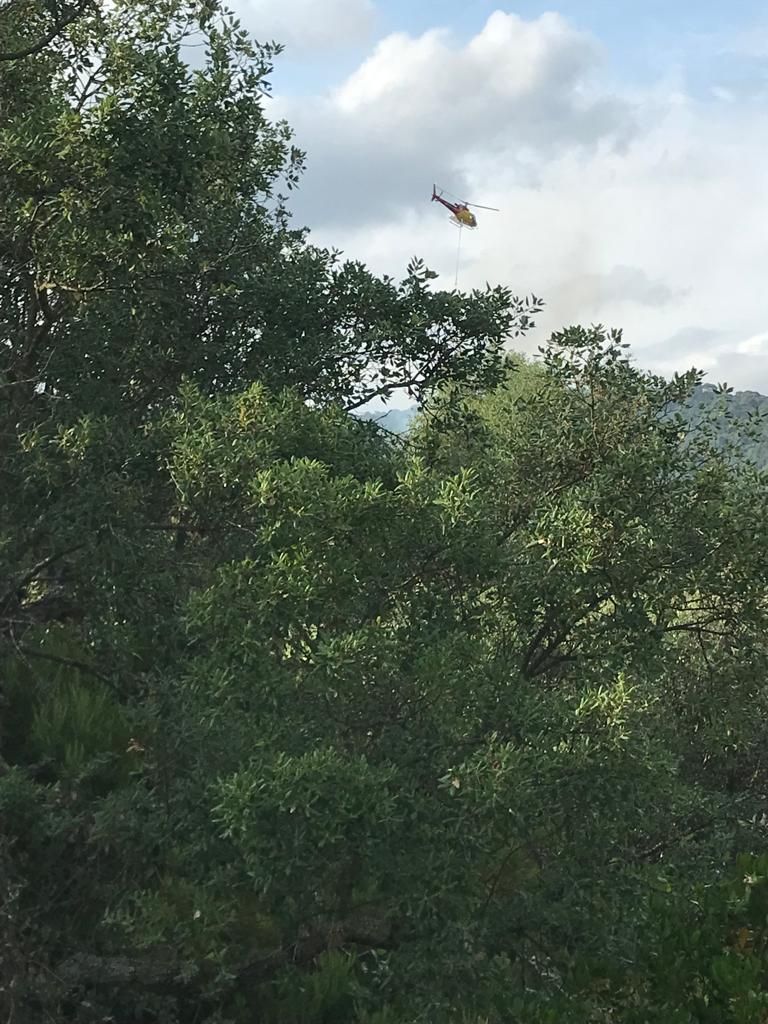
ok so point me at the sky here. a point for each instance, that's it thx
(625, 145)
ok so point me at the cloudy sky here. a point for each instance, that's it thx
(626, 148)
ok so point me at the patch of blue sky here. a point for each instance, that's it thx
(711, 44)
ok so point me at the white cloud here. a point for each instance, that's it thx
(510, 62)
(646, 210)
(307, 25)
(756, 345)
(425, 106)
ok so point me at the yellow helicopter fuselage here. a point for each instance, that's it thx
(465, 216)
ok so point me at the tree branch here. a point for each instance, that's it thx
(59, 25)
(150, 973)
(58, 659)
(35, 571)
(164, 973)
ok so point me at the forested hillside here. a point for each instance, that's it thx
(307, 723)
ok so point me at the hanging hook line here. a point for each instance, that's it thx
(458, 257)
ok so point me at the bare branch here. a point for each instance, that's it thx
(57, 659)
(164, 973)
(33, 573)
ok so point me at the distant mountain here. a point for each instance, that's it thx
(740, 403)
(396, 420)
(738, 406)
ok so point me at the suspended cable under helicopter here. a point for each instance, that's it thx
(461, 216)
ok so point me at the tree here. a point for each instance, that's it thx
(37, 25)
(355, 737)
(150, 278)
(144, 242)
(306, 723)
(142, 211)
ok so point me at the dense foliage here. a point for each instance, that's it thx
(738, 420)
(303, 723)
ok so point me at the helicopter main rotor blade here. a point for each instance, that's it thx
(477, 206)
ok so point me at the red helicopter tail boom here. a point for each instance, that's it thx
(438, 198)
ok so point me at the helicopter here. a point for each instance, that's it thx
(462, 215)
